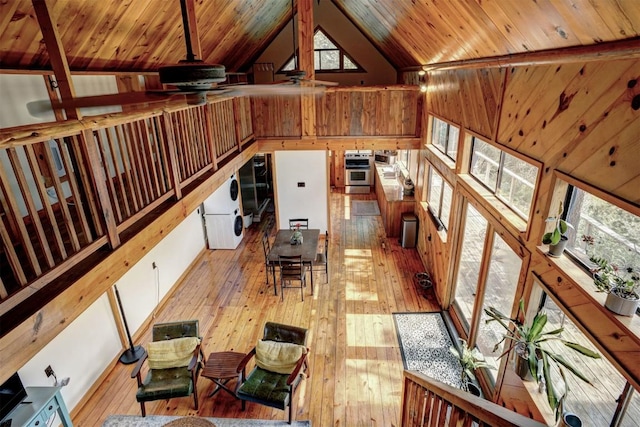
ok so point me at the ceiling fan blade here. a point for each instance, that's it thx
(274, 90)
(127, 98)
(321, 82)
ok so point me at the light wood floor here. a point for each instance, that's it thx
(355, 363)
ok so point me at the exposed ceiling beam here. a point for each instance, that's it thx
(56, 54)
(622, 49)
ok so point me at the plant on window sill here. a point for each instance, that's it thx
(620, 282)
(557, 238)
(534, 357)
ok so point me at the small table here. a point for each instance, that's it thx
(221, 367)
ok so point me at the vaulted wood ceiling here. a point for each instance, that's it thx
(140, 35)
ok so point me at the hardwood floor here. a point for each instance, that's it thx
(355, 362)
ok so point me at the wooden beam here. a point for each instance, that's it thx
(341, 143)
(622, 49)
(57, 57)
(306, 63)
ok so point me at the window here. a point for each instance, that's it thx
(615, 232)
(439, 198)
(328, 56)
(445, 138)
(511, 179)
(596, 404)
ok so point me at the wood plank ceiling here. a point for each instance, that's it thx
(141, 35)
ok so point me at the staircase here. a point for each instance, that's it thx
(428, 402)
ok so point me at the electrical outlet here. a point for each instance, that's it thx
(48, 371)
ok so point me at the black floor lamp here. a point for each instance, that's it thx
(133, 353)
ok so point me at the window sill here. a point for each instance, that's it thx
(577, 276)
(450, 163)
(442, 234)
(494, 205)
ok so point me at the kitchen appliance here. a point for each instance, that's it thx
(358, 165)
(222, 218)
(386, 157)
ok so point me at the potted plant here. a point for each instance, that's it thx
(533, 356)
(470, 360)
(620, 282)
(296, 237)
(557, 238)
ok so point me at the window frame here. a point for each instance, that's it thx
(446, 150)
(437, 213)
(526, 216)
(340, 49)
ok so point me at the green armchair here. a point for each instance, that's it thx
(283, 351)
(175, 359)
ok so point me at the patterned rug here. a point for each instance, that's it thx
(162, 420)
(365, 208)
(424, 341)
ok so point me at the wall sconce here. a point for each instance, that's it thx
(422, 80)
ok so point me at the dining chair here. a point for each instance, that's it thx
(302, 223)
(322, 258)
(292, 269)
(268, 267)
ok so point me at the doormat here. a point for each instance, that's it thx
(365, 208)
(424, 342)
(162, 420)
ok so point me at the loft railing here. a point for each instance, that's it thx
(69, 188)
(428, 402)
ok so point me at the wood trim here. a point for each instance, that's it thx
(609, 51)
(341, 143)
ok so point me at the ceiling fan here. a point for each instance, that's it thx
(194, 80)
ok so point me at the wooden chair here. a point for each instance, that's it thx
(269, 388)
(292, 269)
(302, 222)
(269, 268)
(322, 258)
(164, 380)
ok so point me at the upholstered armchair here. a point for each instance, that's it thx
(174, 358)
(280, 366)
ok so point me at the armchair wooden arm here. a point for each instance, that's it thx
(296, 371)
(246, 360)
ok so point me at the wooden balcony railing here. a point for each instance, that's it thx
(69, 188)
(427, 402)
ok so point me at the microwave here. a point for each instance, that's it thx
(386, 158)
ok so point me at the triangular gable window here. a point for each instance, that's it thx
(328, 56)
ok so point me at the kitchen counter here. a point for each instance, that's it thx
(391, 200)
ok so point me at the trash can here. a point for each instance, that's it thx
(409, 230)
(247, 220)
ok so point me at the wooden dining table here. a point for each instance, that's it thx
(282, 246)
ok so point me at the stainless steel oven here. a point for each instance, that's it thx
(358, 171)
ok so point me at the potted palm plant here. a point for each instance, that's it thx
(557, 238)
(533, 355)
(470, 360)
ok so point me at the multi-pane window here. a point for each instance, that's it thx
(596, 404)
(445, 138)
(611, 233)
(511, 179)
(439, 197)
(328, 56)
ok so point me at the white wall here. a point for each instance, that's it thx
(309, 201)
(326, 15)
(84, 349)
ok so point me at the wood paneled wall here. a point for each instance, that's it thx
(580, 122)
(389, 111)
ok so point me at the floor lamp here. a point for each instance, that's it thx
(133, 353)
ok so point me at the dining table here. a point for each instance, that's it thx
(282, 247)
